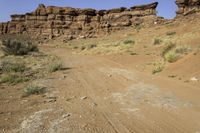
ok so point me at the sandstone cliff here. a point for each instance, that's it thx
(54, 21)
(186, 7)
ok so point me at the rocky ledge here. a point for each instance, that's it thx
(187, 7)
(55, 21)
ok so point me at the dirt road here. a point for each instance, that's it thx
(98, 95)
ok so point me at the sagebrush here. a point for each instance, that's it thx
(158, 67)
(172, 52)
(8, 66)
(12, 46)
(34, 90)
(157, 41)
(55, 66)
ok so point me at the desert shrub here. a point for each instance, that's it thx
(55, 66)
(169, 24)
(133, 53)
(129, 41)
(169, 46)
(171, 56)
(197, 50)
(8, 66)
(13, 79)
(171, 52)
(34, 90)
(83, 47)
(158, 67)
(17, 47)
(138, 27)
(75, 47)
(181, 49)
(157, 41)
(170, 33)
(91, 46)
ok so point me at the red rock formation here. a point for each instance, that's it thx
(186, 7)
(54, 21)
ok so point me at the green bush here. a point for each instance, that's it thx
(55, 66)
(17, 47)
(34, 90)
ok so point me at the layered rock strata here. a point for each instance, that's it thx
(54, 21)
(186, 7)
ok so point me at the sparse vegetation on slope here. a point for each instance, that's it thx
(15, 69)
(55, 66)
(168, 46)
(158, 67)
(170, 33)
(11, 46)
(13, 78)
(12, 66)
(171, 52)
(127, 44)
(182, 49)
(33, 90)
(138, 27)
(129, 41)
(157, 41)
(171, 56)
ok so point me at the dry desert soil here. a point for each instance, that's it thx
(109, 87)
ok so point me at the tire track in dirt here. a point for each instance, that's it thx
(98, 79)
(104, 110)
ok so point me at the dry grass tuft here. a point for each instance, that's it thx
(157, 41)
(158, 67)
(55, 66)
(34, 90)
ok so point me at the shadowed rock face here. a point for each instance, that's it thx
(54, 21)
(186, 7)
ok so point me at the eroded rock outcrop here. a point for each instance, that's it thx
(186, 7)
(54, 21)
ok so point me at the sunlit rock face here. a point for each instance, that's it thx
(55, 21)
(186, 7)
